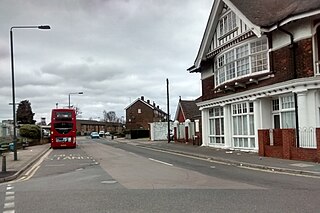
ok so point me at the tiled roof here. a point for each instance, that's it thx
(266, 13)
(190, 109)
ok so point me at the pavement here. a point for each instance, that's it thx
(244, 159)
(26, 157)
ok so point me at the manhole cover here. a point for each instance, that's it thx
(109, 181)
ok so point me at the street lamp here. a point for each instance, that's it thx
(74, 93)
(42, 27)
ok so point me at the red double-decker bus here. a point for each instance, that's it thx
(63, 128)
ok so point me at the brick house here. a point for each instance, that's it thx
(140, 113)
(259, 62)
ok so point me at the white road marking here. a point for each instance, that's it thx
(9, 193)
(9, 187)
(9, 198)
(225, 163)
(9, 205)
(158, 161)
(8, 211)
(56, 165)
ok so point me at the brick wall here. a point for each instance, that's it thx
(277, 137)
(286, 148)
(207, 88)
(304, 60)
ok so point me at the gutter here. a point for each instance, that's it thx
(294, 66)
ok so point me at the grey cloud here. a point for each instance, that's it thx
(112, 50)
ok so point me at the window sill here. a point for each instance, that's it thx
(228, 33)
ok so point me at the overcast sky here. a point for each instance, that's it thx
(114, 51)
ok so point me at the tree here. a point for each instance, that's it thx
(24, 113)
(78, 112)
(30, 131)
(109, 116)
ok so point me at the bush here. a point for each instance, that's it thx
(30, 131)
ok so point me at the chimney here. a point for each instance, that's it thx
(148, 101)
(142, 98)
(154, 104)
(158, 106)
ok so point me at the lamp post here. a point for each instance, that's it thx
(43, 27)
(74, 93)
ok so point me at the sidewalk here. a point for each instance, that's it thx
(26, 157)
(232, 157)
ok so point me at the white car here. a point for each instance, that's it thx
(101, 133)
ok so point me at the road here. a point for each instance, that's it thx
(106, 176)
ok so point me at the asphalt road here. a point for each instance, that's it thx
(104, 176)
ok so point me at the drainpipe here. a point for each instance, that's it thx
(295, 75)
(269, 37)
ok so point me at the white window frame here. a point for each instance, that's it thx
(216, 116)
(243, 127)
(286, 105)
(249, 58)
(227, 23)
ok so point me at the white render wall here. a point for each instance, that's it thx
(300, 30)
(159, 130)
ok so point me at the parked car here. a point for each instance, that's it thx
(101, 134)
(94, 135)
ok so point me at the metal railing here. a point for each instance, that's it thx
(307, 137)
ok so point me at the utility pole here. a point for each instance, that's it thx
(168, 116)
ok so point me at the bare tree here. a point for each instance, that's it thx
(110, 116)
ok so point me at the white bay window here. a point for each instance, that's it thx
(243, 60)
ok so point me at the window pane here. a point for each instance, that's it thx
(250, 106)
(211, 112)
(235, 142)
(288, 119)
(243, 66)
(222, 77)
(251, 124)
(242, 51)
(217, 127)
(245, 142)
(275, 105)
(234, 109)
(245, 125)
(244, 107)
(240, 125)
(222, 126)
(211, 125)
(240, 142)
(287, 102)
(230, 71)
(235, 125)
(252, 143)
